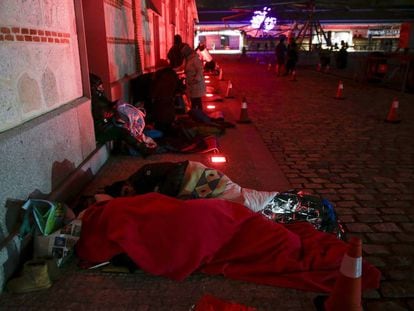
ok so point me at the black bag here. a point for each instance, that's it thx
(291, 206)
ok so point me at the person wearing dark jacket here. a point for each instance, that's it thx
(164, 87)
(292, 56)
(105, 119)
(164, 177)
(280, 52)
(174, 55)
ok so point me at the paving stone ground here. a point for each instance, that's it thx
(344, 151)
(302, 138)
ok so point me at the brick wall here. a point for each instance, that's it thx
(33, 35)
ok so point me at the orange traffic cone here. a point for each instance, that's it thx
(220, 74)
(244, 118)
(392, 116)
(269, 67)
(340, 91)
(347, 292)
(228, 90)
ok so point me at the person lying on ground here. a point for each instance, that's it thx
(188, 180)
(193, 180)
(174, 238)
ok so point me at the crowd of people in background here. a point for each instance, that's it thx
(287, 56)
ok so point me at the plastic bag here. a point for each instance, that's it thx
(60, 244)
(289, 207)
(48, 216)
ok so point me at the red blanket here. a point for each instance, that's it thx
(173, 238)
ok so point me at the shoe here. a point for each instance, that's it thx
(52, 268)
(34, 277)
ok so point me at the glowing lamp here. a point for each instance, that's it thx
(211, 107)
(207, 81)
(209, 95)
(206, 77)
(218, 159)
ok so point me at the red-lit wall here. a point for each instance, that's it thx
(125, 39)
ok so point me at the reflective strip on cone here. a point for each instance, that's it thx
(395, 104)
(351, 267)
(244, 105)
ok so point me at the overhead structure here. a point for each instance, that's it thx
(311, 31)
(307, 31)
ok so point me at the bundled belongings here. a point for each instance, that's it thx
(173, 238)
(132, 119)
(54, 226)
(54, 231)
(290, 207)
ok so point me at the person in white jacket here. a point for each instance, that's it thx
(194, 77)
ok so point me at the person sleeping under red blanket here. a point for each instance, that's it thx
(194, 180)
(188, 180)
(173, 238)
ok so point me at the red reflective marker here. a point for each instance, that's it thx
(218, 159)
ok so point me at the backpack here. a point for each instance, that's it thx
(291, 206)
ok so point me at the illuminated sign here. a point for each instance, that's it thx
(384, 32)
(261, 20)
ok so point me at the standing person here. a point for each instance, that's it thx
(174, 54)
(194, 77)
(164, 87)
(280, 56)
(342, 57)
(292, 56)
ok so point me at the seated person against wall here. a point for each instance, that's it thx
(113, 122)
(206, 58)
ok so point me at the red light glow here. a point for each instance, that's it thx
(218, 159)
(209, 95)
(211, 107)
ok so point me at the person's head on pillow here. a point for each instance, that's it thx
(121, 188)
